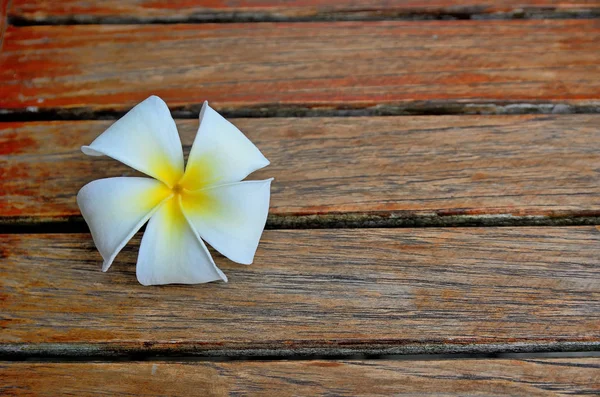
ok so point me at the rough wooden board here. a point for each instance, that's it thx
(533, 377)
(313, 291)
(186, 10)
(405, 168)
(436, 64)
(3, 20)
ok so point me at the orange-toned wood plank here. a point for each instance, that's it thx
(398, 167)
(185, 10)
(532, 377)
(313, 291)
(3, 19)
(325, 64)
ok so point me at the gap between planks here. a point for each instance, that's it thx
(31, 15)
(414, 108)
(144, 357)
(82, 352)
(76, 224)
(258, 17)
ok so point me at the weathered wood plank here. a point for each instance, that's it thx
(532, 377)
(313, 291)
(185, 10)
(3, 20)
(429, 64)
(404, 169)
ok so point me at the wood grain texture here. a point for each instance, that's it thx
(313, 292)
(3, 19)
(301, 65)
(533, 377)
(192, 10)
(403, 168)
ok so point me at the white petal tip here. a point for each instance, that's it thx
(243, 261)
(108, 263)
(144, 279)
(221, 274)
(150, 282)
(203, 110)
(89, 151)
(157, 99)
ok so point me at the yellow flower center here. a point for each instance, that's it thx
(193, 198)
(177, 189)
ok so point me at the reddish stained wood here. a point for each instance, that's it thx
(357, 290)
(325, 64)
(181, 10)
(3, 19)
(409, 166)
(532, 377)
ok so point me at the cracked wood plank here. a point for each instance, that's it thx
(349, 171)
(319, 65)
(80, 11)
(483, 377)
(349, 291)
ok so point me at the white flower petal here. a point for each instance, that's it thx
(220, 154)
(146, 139)
(171, 253)
(116, 208)
(231, 217)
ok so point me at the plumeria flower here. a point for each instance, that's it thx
(206, 201)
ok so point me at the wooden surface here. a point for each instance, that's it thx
(185, 10)
(443, 66)
(533, 377)
(406, 168)
(340, 285)
(323, 291)
(3, 19)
